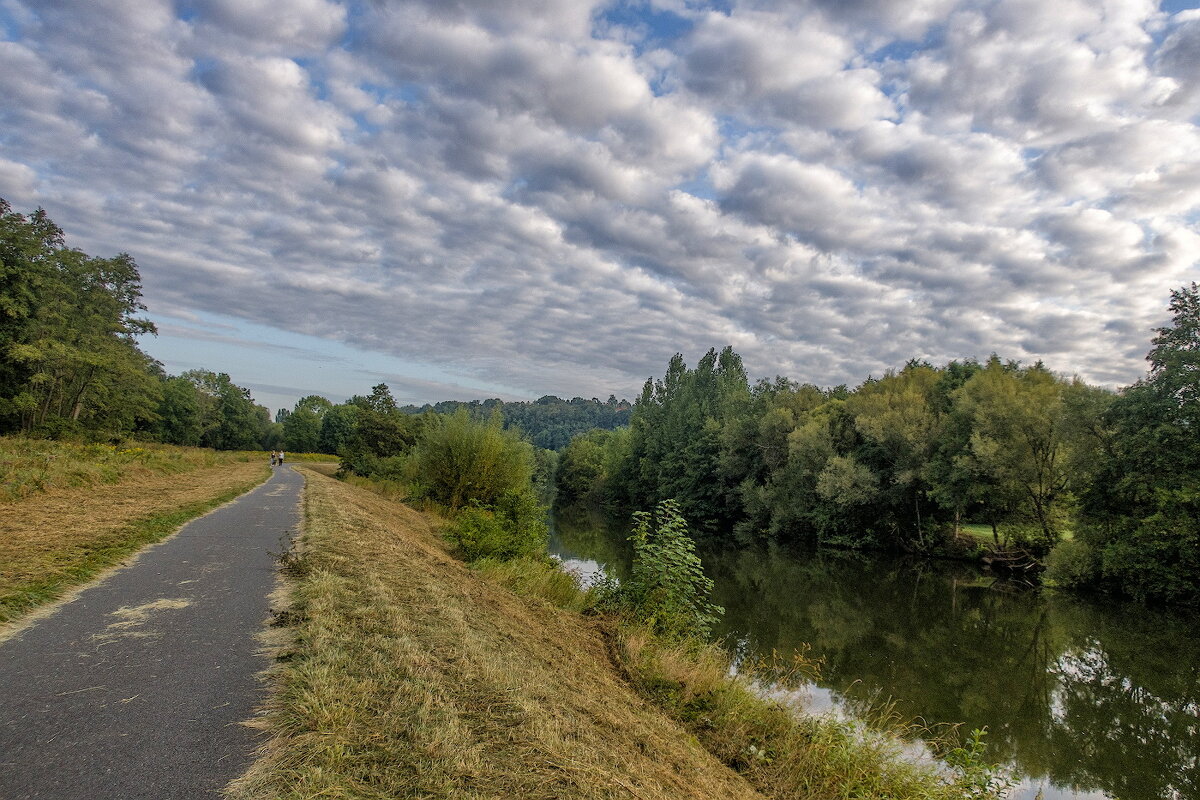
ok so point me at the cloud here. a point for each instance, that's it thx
(539, 199)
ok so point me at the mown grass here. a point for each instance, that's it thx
(979, 532)
(411, 676)
(32, 466)
(69, 511)
(84, 561)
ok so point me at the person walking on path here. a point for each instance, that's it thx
(136, 689)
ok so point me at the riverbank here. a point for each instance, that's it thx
(406, 673)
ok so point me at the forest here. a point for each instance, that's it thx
(1101, 486)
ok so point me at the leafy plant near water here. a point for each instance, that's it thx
(515, 526)
(668, 590)
(976, 777)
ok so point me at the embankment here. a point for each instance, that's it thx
(404, 673)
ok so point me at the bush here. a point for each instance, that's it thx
(1072, 565)
(515, 527)
(1159, 558)
(459, 460)
(668, 590)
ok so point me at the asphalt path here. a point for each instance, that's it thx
(138, 687)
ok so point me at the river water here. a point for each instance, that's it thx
(1081, 699)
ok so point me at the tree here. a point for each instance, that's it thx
(896, 416)
(337, 428)
(179, 412)
(302, 427)
(70, 324)
(228, 416)
(1141, 535)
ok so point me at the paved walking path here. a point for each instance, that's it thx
(137, 687)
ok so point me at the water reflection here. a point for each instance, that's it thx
(1085, 700)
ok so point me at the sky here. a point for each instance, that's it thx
(469, 199)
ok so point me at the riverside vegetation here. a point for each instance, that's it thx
(1102, 486)
(408, 674)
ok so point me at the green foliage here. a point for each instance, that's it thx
(338, 425)
(514, 528)
(458, 460)
(583, 466)
(371, 434)
(976, 778)
(1073, 564)
(69, 328)
(668, 590)
(228, 417)
(1141, 507)
(302, 427)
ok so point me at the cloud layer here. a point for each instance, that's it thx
(557, 196)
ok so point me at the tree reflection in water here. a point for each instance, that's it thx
(1082, 697)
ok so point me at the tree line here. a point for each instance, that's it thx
(549, 422)
(1102, 486)
(70, 364)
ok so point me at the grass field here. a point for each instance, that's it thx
(408, 674)
(70, 511)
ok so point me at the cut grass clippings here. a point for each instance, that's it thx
(410, 676)
(71, 529)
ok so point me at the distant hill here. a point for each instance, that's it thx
(549, 421)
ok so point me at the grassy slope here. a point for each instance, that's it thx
(409, 675)
(71, 511)
(413, 677)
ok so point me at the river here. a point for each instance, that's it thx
(1081, 699)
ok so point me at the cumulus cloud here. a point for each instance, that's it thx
(557, 196)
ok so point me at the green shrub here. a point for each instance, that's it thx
(513, 528)
(459, 460)
(1072, 564)
(1158, 558)
(668, 590)
(477, 533)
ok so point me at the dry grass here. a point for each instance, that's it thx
(782, 751)
(59, 535)
(29, 467)
(411, 676)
